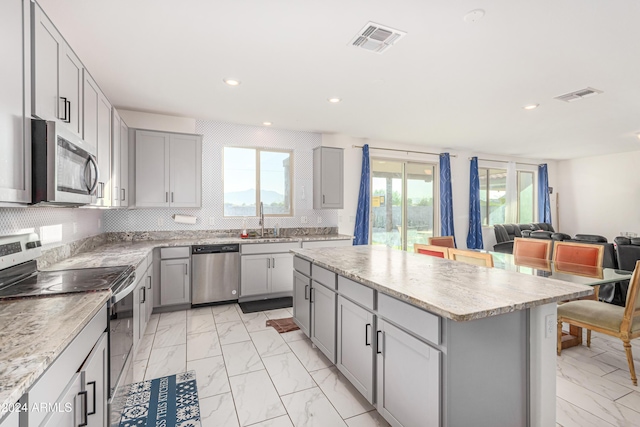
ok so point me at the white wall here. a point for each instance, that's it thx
(600, 195)
(459, 179)
(151, 121)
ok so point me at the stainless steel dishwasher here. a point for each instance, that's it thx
(215, 273)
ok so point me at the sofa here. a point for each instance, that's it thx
(505, 233)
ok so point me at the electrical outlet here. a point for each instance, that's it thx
(160, 221)
(550, 325)
(303, 219)
(99, 222)
(212, 220)
(319, 219)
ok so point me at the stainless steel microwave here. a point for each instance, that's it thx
(64, 167)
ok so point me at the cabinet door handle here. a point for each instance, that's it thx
(84, 409)
(273, 262)
(123, 195)
(166, 197)
(306, 288)
(64, 103)
(366, 334)
(172, 197)
(323, 198)
(149, 285)
(143, 298)
(378, 342)
(186, 273)
(311, 294)
(93, 399)
(67, 111)
(268, 262)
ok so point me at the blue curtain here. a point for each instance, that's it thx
(474, 238)
(446, 197)
(361, 231)
(544, 203)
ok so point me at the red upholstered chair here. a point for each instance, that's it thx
(445, 241)
(531, 248)
(579, 254)
(431, 250)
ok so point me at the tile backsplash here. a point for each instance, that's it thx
(216, 136)
(56, 226)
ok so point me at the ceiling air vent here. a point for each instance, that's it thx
(376, 38)
(578, 94)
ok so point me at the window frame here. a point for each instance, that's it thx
(257, 151)
(518, 174)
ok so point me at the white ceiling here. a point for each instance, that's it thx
(447, 83)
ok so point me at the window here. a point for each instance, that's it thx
(254, 175)
(402, 209)
(493, 196)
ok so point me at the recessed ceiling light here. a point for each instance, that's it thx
(531, 106)
(334, 100)
(232, 82)
(266, 123)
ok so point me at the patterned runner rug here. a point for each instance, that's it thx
(170, 401)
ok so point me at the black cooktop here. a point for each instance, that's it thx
(37, 284)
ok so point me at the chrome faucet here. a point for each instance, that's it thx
(262, 219)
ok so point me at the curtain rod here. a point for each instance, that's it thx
(506, 161)
(402, 151)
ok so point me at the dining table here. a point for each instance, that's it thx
(568, 272)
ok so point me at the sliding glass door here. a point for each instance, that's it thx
(402, 203)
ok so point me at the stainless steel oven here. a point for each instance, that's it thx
(64, 167)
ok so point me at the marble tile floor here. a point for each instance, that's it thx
(249, 375)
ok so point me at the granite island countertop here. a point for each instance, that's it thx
(34, 332)
(133, 253)
(450, 289)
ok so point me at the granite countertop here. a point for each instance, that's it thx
(34, 332)
(133, 253)
(450, 289)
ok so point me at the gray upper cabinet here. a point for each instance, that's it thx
(97, 132)
(15, 102)
(57, 82)
(168, 169)
(328, 178)
(124, 164)
(116, 165)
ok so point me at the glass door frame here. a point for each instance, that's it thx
(436, 196)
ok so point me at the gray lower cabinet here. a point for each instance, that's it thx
(281, 266)
(175, 281)
(149, 294)
(301, 305)
(95, 384)
(266, 274)
(356, 346)
(11, 420)
(408, 378)
(323, 319)
(71, 403)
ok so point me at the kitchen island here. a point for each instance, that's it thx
(433, 342)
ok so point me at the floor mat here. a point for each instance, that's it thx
(266, 304)
(283, 325)
(170, 401)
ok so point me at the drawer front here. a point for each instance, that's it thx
(356, 292)
(324, 276)
(413, 319)
(302, 266)
(268, 248)
(181, 252)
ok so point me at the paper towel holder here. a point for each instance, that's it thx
(184, 219)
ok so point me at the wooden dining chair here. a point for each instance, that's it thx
(609, 319)
(532, 248)
(445, 241)
(567, 253)
(431, 250)
(471, 257)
